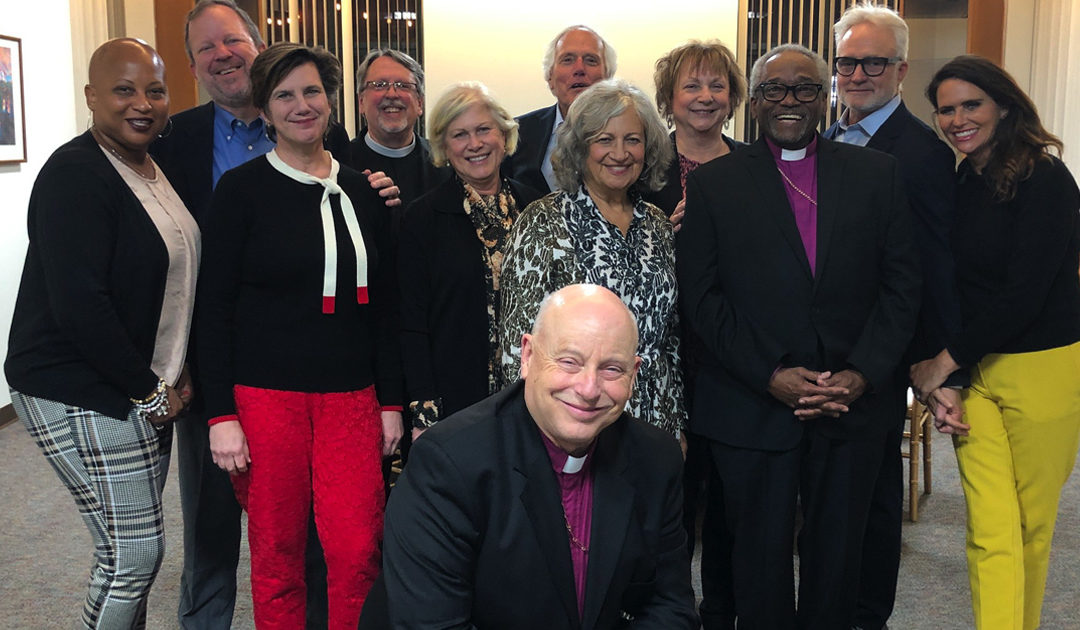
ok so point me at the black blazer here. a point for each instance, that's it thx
(187, 155)
(928, 168)
(89, 302)
(444, 321)
(672, 193)
(534, 133)
(749, 293)
(475, 534)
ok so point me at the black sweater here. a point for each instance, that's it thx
(1016, 264)
(89, 302)
(259, 318)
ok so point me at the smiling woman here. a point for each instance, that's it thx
(599, 230)
(452, 242)
(100, 329)
(298, 334)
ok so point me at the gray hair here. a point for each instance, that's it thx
(883, 17)
(606, 49)
(410, 64)
(758, 71)
(586, 119)
(453, 103)
(202, 5)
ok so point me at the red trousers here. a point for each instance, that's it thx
(325, 448)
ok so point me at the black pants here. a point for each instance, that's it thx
(758, 489)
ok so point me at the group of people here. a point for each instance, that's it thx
(547, 308)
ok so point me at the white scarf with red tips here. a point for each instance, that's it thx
(330, 258)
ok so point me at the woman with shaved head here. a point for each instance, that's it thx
(96, 353)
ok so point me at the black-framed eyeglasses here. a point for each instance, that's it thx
(383, 86)
(776, 92)
(871, 66)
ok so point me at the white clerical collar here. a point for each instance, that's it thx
(792, 155)
(573, 464)
(387, 151)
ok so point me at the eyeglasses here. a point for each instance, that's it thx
(383, 86)
(776, 92)
(871, 66)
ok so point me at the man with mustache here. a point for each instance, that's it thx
(390, 92)
(202, 143)
(871, 62)
(803, 285)
(575, 59)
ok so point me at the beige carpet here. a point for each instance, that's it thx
(45, 552)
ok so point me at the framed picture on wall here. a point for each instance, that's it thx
(12, 112)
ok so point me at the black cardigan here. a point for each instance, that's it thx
(444, 321)
(259, 315)
(89, 302)
(1016, 264)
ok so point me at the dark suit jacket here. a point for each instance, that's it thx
(187, 156)
(672, 193)
(534, 133)
(750, 295)
(928, 167)
(444, 320)
(475, 534)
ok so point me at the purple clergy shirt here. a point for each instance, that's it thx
(575, 485)
(800, 166)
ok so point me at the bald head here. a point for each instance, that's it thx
(121, 51)
(585, 299)
(579, 365)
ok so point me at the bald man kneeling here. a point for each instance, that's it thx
(545, 506)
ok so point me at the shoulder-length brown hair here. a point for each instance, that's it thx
(1020, 139)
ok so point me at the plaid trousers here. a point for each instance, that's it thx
(112, 467)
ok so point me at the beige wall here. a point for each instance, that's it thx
(502, 44)
(932, 43)
(50, 122)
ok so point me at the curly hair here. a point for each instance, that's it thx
(586, 119)
(693, 55)
(1020, 140)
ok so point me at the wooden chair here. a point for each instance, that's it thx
(918, 434)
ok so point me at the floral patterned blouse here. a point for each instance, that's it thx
(563, 239)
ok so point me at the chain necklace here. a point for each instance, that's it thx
(796, 188)
(573, 539)
(123, 160)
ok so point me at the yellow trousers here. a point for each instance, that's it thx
(1024, 412)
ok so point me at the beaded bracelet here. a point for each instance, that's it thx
(154, 406)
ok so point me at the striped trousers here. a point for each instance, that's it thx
(112, 467)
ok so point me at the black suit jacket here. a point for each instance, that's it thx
(475, 534)
(534, 133)
(928, 167)
(752, 299)
(187, 156)
(444, 320)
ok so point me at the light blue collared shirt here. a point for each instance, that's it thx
(236, 142)
(860, 133)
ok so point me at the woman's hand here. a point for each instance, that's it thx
(677, 216)
(416, 433)
(228, 445)
(928, 375)
(392, 430)
(948, 410)
(184, 386)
